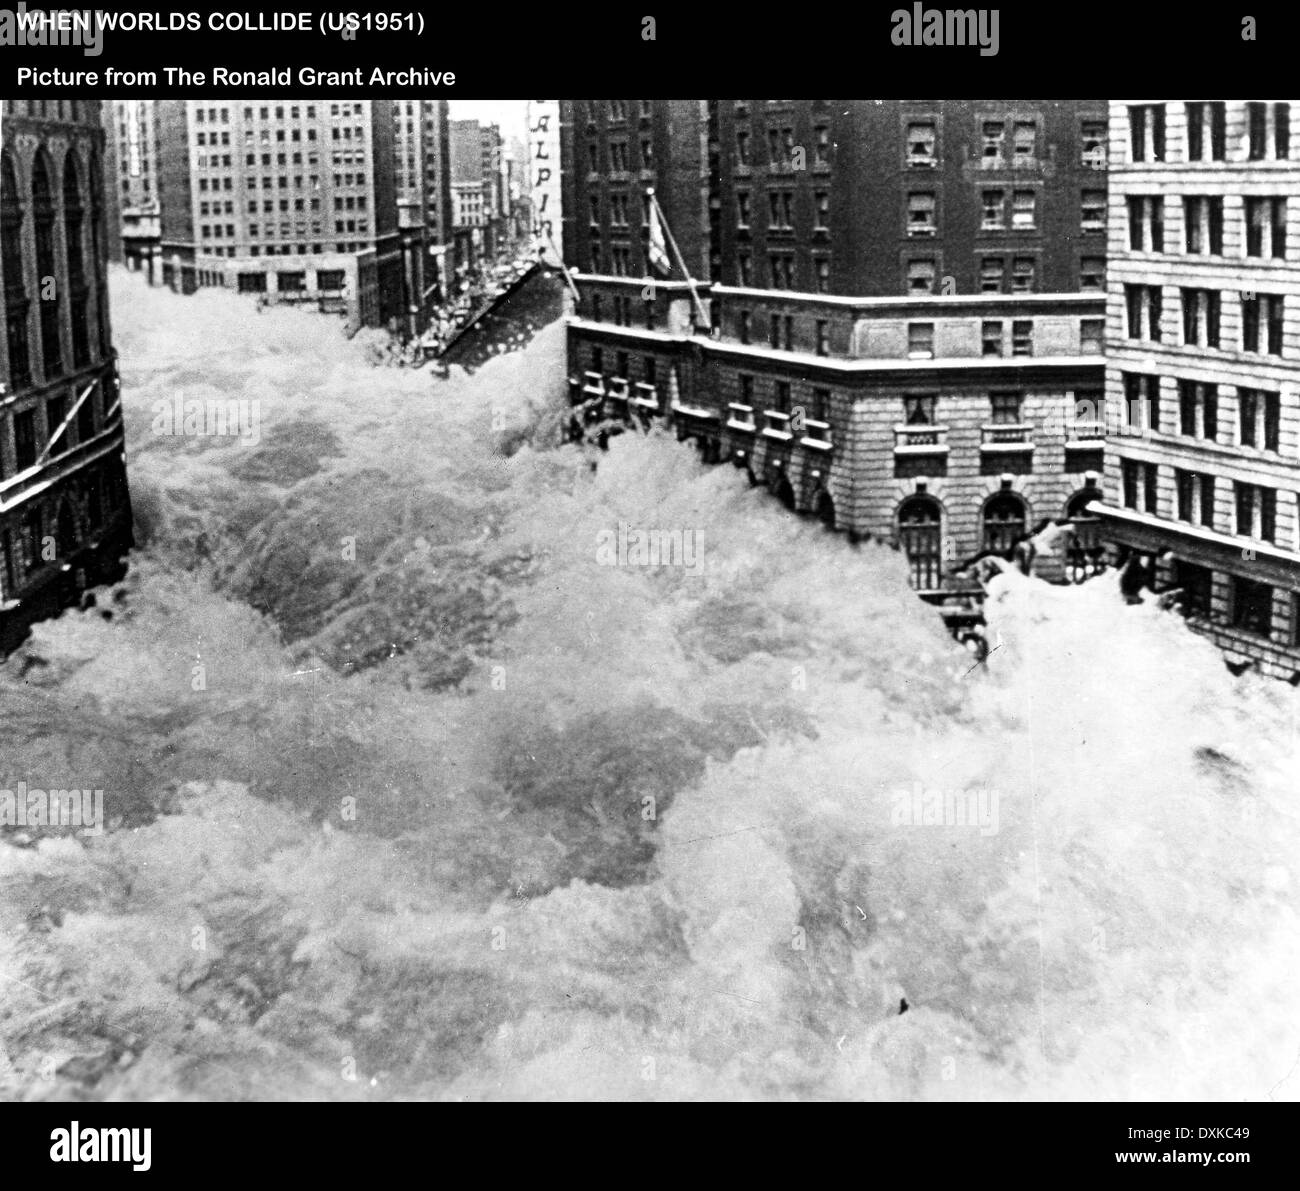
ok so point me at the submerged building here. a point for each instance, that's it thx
(65, 512)
(897, 314)
(1203, 365)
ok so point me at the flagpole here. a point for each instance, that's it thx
(681, 264)
(563, 267)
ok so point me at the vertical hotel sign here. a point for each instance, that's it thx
(133, 119)
(544, 177)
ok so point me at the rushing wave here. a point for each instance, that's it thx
(415, 791)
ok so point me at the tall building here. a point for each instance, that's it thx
(611, 151)
(899, 335)
(423, 177)
(1203, 365)
(131, 153)
(298, 201)
(65, 513)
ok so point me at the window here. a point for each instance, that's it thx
(920, 214)
(1256, 512)
(1093, 211)
(742, 146)
(1265, 308)
(991, 274)
(1200, 317)
(993, 220)
(1092, 273)
(1005, 408)
(25, 439)
(994, 149)
(1141, 409)
(1025, 142)
(782, 271)
(1203, 220)
(921, 144)
(823, 269)
(1206, 123)
(1024, 206)
(56, 409)
(991, 337)
(823, 337)
(1092, 334)
(822, 145)
(746, 389)
(1022, 337)
(1092, 141)
(1004, 522)
(1147, 131)
(744, 269)
(1257, 130)
(1023, 272)
(1252, 603)
(781, 396)
(1197, 584)
(920, 276)
(1266, 227)
(1139, 482)
(1146, 223)
(1282, 130)
(1198, 409)
(920, 535)
(1256, 406)
(1143, 306)
(820, 408)
(919, 409)
(742, 208)
(920, 341)
(745, 320)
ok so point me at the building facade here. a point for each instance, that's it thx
(294, 181)
(904, 333)
(948, 427)
(131, 151)
(611, 151)
(65, 513)
(1203, 365)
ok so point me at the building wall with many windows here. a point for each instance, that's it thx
(965, 197)
(1203, 363)
(65, 520)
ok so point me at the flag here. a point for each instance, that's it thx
(657, 250)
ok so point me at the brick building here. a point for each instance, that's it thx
(65, 513)
(900, 334)
(1203, 364)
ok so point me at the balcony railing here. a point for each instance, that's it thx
(617, 389)
(644, 395)
(1003, 436)
(740, 417)
(777, 424)
(816, 434)
(925, 439)
(594, 384)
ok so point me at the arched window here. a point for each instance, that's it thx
(46, 273)
(11, 260)
(1004, 522)
(97, 260)
(1085, 553)
(78, 289)
(920, 527)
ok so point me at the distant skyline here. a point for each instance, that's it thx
(510, 114)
